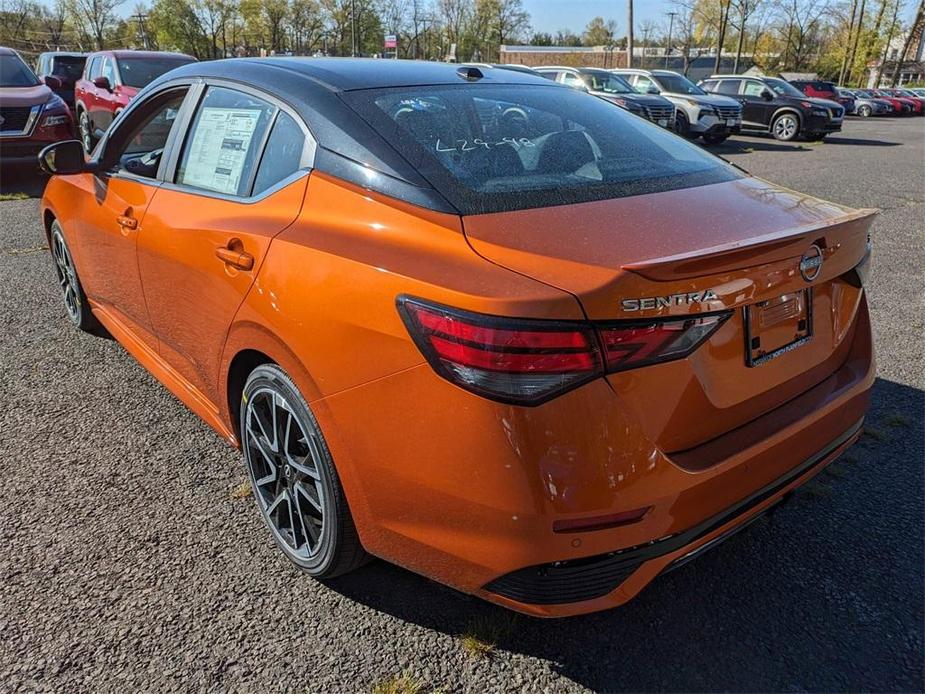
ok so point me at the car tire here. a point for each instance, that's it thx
(785, 127)
(293, 478)
(86, 131)
(75, 300)
(864, 111)
(715, 139)
(682, 126)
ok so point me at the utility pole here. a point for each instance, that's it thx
(353, 28)
(629, 33)
(671, 16)
(141, 18)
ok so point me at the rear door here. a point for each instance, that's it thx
(238, 180)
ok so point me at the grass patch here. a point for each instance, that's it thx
(242, 491)
(13, 196)
(483, 634)
(399, 684)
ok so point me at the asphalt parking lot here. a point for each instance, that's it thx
(132, 561)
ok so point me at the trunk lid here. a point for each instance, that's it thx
(711, 248)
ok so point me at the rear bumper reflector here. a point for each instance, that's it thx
(576, 580)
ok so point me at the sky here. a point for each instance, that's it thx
(550, 15)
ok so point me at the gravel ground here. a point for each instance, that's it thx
(129, 563)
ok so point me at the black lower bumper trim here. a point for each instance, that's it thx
(576, 580)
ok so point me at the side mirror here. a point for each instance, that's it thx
(63, 158)
(102, 83)
(767, 95)
(52, 82)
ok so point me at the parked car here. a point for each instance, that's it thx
(67, 67)
(866, 106)
(901, 107)
(614, 89)
(918, 91)
(542, 360)
(774, 105)
(698, 114)
(31, 114)
(110, 80)
(821, 89)
(906, 96)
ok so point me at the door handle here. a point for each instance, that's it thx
(127, 222)
(234, 257)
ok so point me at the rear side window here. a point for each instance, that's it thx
(490, 148)
(728, 86)
(283, 154)
(222, 146)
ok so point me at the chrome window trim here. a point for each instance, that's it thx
(33, 118)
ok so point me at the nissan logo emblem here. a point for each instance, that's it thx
(811, 263)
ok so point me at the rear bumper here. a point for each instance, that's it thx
(466, 491)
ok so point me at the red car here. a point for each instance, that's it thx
(820, 89)
(31, 114)
(110, 80)
(901, 107)
(916, 102)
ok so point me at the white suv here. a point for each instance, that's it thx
(698, 114)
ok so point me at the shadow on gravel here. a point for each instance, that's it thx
(823, 594)
(837, 140)
(745, 146)
(22, 180)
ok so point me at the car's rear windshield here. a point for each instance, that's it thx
(69, 67)
(15, 73)
(678, 84)
(492, 148)
(139, 72)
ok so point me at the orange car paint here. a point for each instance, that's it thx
(445, 483)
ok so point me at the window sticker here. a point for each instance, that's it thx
(218, 151)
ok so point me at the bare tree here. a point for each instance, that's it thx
(743, 10)
(915, 31)
(95, 16)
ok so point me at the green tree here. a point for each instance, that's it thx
(599, 32)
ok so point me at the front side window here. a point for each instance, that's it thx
(754, 88)
(139, 72)
(223, 144)
(93, 68)
(783, 88)
(137, 144)
(15, 73)
(573, 80)
(109, 71)
(490, 148)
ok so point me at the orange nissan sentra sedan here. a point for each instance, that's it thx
(478, 324)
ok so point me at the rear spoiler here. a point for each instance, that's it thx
(829, 235)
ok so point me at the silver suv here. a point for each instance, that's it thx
(698, 114)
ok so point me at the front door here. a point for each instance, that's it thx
(115, 217)
(207, 232)
(756, 109)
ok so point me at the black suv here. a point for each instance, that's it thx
(67, 67)
(772, 105)
(614, 89)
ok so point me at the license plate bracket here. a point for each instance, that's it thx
(777, 326)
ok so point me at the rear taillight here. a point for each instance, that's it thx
(529, 361)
